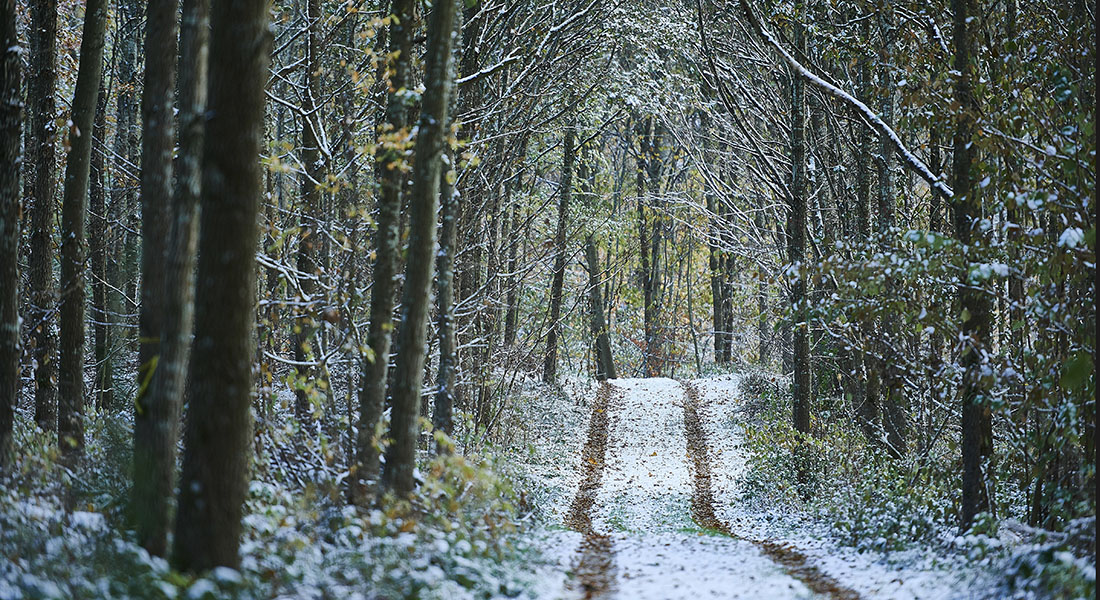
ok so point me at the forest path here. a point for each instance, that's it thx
(644, 509)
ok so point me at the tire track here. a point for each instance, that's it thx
(594, 570)
(702, 509)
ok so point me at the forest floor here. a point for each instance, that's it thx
(655, 511)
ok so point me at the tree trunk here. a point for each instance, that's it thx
(309, 230)
(717, 277)
(605, 363)
(372, 391)
(126, 163)
(430, 142)
(550, 361)
(647, 242)
(974, 303)
(102, 391)
(866, 399)
(70, 414)
(216, 459)
(893, 400)
(442, 414)
(40, 146)
(11, 125)
(154, 476)
(796, 240)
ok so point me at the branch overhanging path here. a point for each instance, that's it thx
(907, 157)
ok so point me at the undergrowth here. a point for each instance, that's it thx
(63, 534)
(874, 503)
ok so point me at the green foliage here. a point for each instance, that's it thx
(457, 537)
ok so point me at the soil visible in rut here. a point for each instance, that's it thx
(594, 570)
(702, 508)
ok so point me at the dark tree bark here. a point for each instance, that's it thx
(217, 439)
(605, 362)
(550, 358)
(415, 301)
(70, 413)
(977, 442)
(893, 400)
(11, 127)
(796, 240)
(41, 113)
(102, 392)
(372, 391)
(649, 243)
(601, 338)
(717, 277)
(442, 413)
(309, 242)
(125, 181)
(154, 474)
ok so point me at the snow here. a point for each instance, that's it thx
(696, 566)
(644, 504)
(909, 575)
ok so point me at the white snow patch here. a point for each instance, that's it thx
(900, 576)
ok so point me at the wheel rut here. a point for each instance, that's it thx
(702, 508)
(594, 568)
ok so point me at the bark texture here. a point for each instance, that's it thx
(217, 450)
(41, 156)
(11, 127)
(70, 414)
(415, 301)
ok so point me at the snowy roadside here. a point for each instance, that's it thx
(908, 575)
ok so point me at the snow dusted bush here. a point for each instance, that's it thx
(893, 506)
(457, 538)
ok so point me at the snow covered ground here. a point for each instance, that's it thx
(643, 505)
(902, 576)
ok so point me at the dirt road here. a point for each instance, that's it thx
(646, 509)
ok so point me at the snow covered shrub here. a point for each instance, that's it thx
(783, 466)
(891, 510)
(1054, 566)
(457, 538)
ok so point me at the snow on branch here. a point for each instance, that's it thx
(907, 157)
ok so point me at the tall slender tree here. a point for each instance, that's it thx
(102, 394)
(443, 410)
(975, 305)
(216, 460)
(893, 388)
(11, 127)
(310, 234)
(796, 237)
(73, 208)
(389, 170)
(430, 141)
(42, 181)
(565, 192)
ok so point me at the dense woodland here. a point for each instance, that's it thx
(322, 250)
